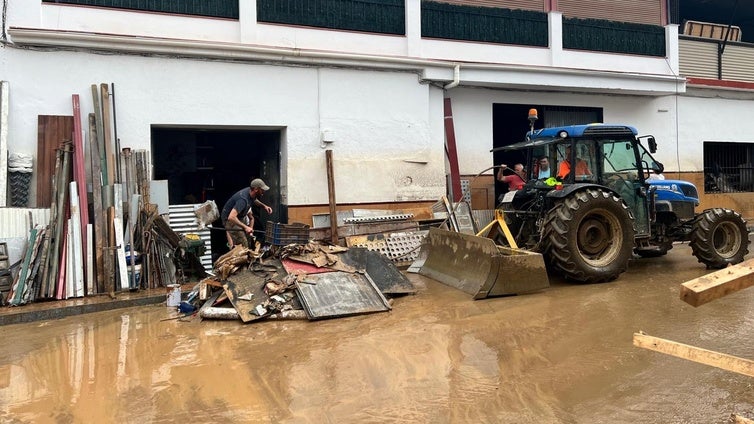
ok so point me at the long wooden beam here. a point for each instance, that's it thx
(717, 284)
(695, 354)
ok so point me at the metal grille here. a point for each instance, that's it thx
(183, 221)
(466, 190)
(400, 248)
(728, 167)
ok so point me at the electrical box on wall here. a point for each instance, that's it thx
(328, 136)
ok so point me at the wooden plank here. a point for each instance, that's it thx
(107, 133)
(100, 229)
(695, 354)
(717, 284)
(79, 176)
(133, 213)
(18, 291)
(120, 253)
(109, 251)
(331, 197)
(737, 419)
(452, 152)
(51, 131)
(100, 135)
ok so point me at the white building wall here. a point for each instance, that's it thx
(472, 114)
(711, 118)
(386, 147)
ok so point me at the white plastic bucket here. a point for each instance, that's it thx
(174, 295)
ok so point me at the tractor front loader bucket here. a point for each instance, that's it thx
(479, 267)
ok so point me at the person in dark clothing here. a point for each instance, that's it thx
(239, 212)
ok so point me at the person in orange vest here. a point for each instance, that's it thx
(582, 168)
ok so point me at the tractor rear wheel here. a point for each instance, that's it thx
(719, 238)
(589, 236)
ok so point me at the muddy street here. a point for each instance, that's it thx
(564, 355)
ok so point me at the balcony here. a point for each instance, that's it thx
(498, 47)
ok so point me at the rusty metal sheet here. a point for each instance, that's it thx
(336, 294)
(383, 272)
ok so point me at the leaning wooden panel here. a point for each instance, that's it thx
(737, 419)
(717, 284)
(695, 354)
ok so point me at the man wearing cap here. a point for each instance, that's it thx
(241, 205)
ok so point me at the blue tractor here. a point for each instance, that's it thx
(598, 202)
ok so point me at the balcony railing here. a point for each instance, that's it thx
(215, 9)
(613, 37)
(379, 16)
(438, 20)
(483, 24)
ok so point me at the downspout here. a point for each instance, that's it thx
(456, 78)
(4, 35)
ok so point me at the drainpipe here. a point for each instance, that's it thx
(456, 78)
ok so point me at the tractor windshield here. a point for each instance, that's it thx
(619, 156)
(621, 172)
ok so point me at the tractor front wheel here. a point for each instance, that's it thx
(719, 238)
(589, 236)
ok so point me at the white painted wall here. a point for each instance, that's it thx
(711, 119)
(472, 113)
(387, 148)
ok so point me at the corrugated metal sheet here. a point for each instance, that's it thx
(536, 5)
(14, 222)
(697, 58)
(737, 63)
(636, 11)
(183, 221)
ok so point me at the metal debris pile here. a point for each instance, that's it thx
(296, 281)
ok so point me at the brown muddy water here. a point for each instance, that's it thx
(564, 355)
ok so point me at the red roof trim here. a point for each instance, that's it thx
(738, 85)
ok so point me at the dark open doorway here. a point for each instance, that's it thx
(203, 164)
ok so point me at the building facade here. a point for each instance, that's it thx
(219, 94)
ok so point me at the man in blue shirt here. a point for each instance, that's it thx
(543, 168)
(241, 206)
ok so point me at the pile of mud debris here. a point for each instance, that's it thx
(297, 281)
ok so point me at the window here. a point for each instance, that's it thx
(728, 167)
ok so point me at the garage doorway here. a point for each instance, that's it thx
(203, 164)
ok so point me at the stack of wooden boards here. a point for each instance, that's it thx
(77, 255)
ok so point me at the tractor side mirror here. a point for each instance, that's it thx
(658, 168)
(652, 144)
